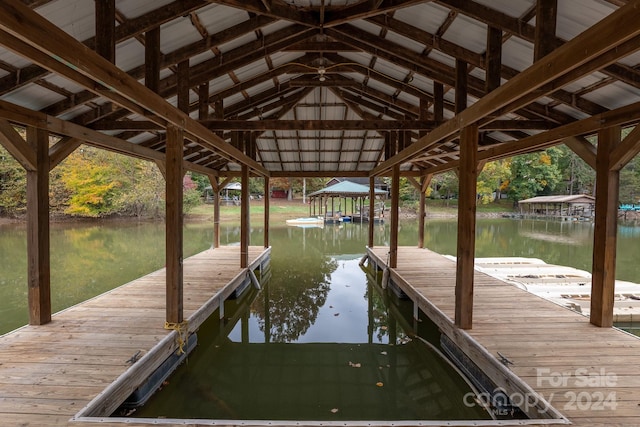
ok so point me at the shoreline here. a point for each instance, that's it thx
(280, 214)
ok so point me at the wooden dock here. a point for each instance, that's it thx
(588, 374)
(49, 373)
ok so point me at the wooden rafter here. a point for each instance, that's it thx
(49, 40)
(603, 39)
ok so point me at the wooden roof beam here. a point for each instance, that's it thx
(318, 124)
(127, 30)
(167, 60)
(24, 24)
(277, 10)
(583, 148)
(602, 39)
(569, 134)
(527, 32)
(365, 9)
(75, 133)
(495, 70)
(17, 146)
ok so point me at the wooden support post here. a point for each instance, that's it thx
(203, 101)
(244, 218)
(493, 58)
(215, 189)
(461, 86)
(183, 86)
(605, 230)
(402, 140)
(438, 102)
(174, 222)
(423, 114)
(424, 183)
(545, 35)
(38, 248)
(152, 59)
(218, 113)
(395, 206)
(372, 209)
(267, 206)
(388, 153)
(466, 227)
(105, 21)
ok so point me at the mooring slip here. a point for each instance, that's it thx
(48, 373)
(588, 374)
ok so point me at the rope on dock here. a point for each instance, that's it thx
(182, 329)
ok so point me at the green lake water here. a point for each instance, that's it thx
(89, 259)
(320, 340)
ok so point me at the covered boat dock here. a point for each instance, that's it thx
(577, 207)
(284, 89)
(346, 191)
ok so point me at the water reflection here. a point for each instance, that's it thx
(314, 345)
(88, 259)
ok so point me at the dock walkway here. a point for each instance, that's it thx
(589, 374)
(48, 373)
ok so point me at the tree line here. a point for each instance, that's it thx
(96, 183)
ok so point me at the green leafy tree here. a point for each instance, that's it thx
(535, 174)
(630, 182)
(201, 181)
(576, 173)
(444, 185)
(256, 186)
(191, 197)
(407, 191)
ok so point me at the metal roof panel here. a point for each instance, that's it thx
(133, 9)
(176, 34)
(517, 53)
(32, 96)
(615, 95)
(129, 54)
(468, 33)
(570, 23)
(74, 17)
(428, 16)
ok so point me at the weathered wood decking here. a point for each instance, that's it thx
(575, 366)
(48, 373)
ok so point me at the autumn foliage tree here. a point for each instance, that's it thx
(93, 182)
(535, 174)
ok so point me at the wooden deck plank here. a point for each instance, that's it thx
(49, 372)
(542, 340)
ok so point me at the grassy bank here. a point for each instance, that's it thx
(278, 210)
(281, 210)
